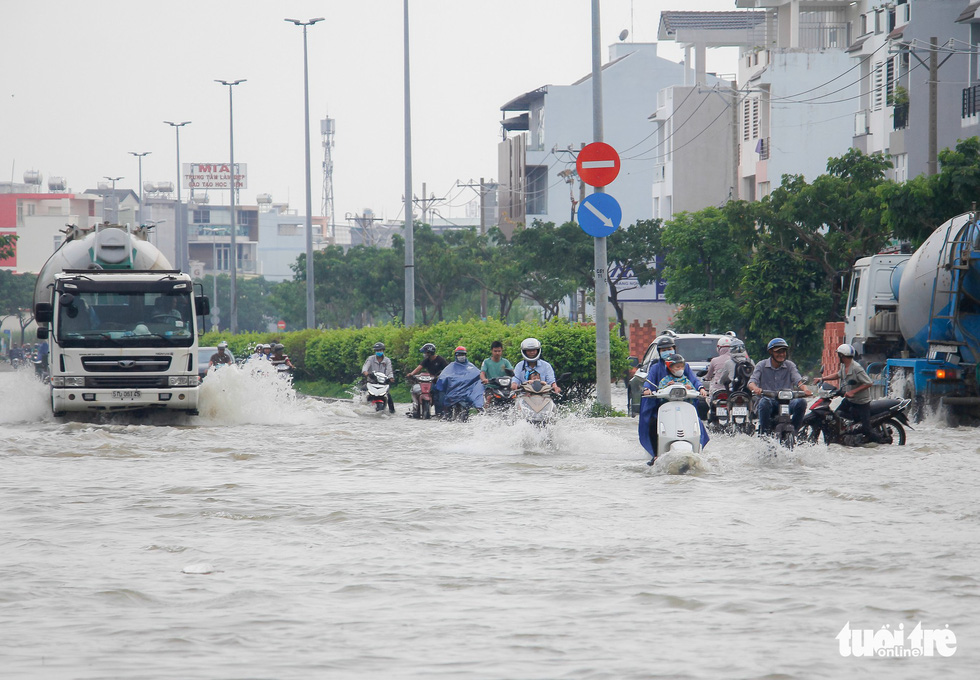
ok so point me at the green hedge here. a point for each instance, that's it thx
(337, 355)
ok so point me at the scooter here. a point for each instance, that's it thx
(783, 429)
(719, 418)
(499, 393)
(535, 402)
(678, 429)
(834, 424)
(422, 396)
(378, 388)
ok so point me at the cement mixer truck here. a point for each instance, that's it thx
(121, 324)
(915, 319)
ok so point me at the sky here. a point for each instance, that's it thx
(85, 83)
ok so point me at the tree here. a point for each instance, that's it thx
(633, 252)
(17, 298)
(703, 265)
(550, 256)
(7, 242)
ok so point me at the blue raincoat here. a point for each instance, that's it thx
(459, 383)
(649, 406)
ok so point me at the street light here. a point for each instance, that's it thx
(310, 312)
(234, 245)
(139, 156)
(180, 233)
(115, 201)
(409, 220)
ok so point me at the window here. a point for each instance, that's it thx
(288, 230)
(221, 260)
(764, 189)
(878, 87)
(248, 218)
(202, 216)
(536, 195)
(901, 169)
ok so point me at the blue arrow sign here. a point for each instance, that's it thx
(599, 215)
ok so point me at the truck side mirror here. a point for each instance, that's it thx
(43, 312)
(202, 304)
(42, 333)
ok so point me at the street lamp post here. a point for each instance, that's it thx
(180, 233)
(139, 156)
(234, 244)
(310, 311)
(115, 201)
(409, 218)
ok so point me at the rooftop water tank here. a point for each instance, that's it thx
(32, 177)
(57, 184)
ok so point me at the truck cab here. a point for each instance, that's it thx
(871, 310)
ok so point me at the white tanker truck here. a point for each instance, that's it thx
(915, 318)
(121, 324)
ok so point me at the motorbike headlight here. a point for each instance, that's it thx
(785, 395)
(678, 393)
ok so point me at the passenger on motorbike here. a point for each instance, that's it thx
(378, 363)
(658, 371)
(432, 363)
(532, 361)
(774, 374)
(856, 382)
(495, 365)
(259, 352)
(677, 373)
(459, 383)
(736, 355)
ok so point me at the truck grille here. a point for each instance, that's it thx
(126, 364)
(127, 382)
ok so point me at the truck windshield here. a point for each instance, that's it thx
(130, 319)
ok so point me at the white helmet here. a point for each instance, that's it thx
(529, 344)
(724, 341)
(845, 350)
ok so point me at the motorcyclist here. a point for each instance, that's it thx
(677, 372)
(459, 382)
(736, 355)
(495, 365)
(378, 363)
(259, 352)
(278, 357)
(723, 346)
(221, 357)
(658, 371)
(432, 363)
(532, 361)
(856, 383)
(774, 374)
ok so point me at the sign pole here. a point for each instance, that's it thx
(602, 378)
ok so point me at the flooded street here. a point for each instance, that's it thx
(275, 537)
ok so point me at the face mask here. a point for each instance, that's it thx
(677, 372)
(379, 354)
(461, 358)
(666, 353)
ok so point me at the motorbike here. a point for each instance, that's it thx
(377, 391)
(783, 429)
(835, 426)
(535, 403)
(422, 396)
(499, 393)
(678, 429)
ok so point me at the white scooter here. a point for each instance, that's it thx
(535, 402)
(678, 430)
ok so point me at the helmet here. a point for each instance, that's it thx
(737, 346)
(672, 361)
(665, 341)
(279, 347)
(724, 341)
(222, 345)
(428, 347)
(379, 347)
(460, 350)
(530, 344)
(259, 347)
(845, 350)
(776, 343)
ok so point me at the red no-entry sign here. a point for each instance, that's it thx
(281, 325)
(597, 164)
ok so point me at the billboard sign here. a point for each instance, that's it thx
(213, 176)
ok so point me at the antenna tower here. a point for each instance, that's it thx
(327, 129)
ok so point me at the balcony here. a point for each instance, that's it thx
(971, 101)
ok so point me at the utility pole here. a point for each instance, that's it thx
(409, 224)
(483, 187)
(602, 377)
(932, 162)
(426, 203)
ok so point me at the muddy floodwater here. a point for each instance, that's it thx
(276, 537)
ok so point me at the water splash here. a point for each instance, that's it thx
(23, 398)
(252, 394)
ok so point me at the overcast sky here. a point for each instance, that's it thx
(86, 82)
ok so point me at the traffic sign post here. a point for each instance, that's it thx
(599, 215)
(597, 164)
(281, 325)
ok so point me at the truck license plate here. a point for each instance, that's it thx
(126, 394)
